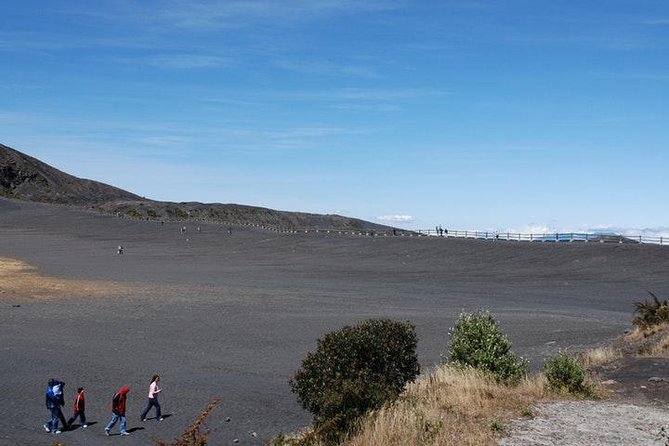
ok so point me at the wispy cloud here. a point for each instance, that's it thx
(164, 140)
(650, 76)
(183, 61)
(211, 15)
(18, 41)
(328, 69)
(233, 14)
(398, 218)
(368, 94)
(658, 21)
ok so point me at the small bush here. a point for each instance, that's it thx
(651, 313)
(478, 342)
(497, 426)
(354, 370)
(566, 374)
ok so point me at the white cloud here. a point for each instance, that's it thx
(657, 231)
(396, 218)
(532, 229)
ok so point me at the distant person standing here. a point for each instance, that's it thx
(54, 400)
(154, 390)
(79, 409)
(118, 411)
(120, 249)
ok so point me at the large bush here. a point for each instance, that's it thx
(354, 370)
(566, 374)
(478, 342)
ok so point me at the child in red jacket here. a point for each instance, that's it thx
(79, 409)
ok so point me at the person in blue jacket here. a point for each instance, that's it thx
(54, 400)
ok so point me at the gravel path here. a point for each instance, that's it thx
(591, 423)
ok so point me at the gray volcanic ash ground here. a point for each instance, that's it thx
(232, 316)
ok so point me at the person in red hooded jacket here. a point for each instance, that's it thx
(118, 410)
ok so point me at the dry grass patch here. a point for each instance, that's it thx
(650, 342)
(452, 406)
(20, 280)
(599, 356)
(640, 334)
(659, 349)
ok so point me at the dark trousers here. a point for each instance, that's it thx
(56, 414)
(152, 402)
(81, 415)
(62, 418)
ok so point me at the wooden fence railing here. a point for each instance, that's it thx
(547, 237)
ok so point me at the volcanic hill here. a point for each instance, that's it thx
(25, 178)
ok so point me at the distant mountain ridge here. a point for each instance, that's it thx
(23, 177)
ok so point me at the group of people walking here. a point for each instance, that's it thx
(55, 399)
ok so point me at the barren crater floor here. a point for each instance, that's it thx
(232, 315)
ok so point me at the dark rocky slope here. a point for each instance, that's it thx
(26, 178)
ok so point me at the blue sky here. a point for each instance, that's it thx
(472, 114)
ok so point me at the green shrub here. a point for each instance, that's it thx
(177, 213)
(497, 426)
(133, 213)
(650, 313)
(566, 374)
(354, 370)
(478, 342)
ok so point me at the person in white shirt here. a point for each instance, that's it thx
(154, 390)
